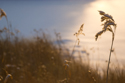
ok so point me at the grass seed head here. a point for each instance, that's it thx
(66, 66)
(109, 17)
(101, 12)
(89, 71)
(98, 34)
(107, 24)
(1, 78)
(79, 32)
(2, 13)
(1, 31)
(7, 77)
(103, 18)
(43, 66)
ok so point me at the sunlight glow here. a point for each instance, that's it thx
(92, 24)
(102, 5)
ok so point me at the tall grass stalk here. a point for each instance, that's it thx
(2, 13)
(110, 56)
(108, 21)
(77, 34)
(73, 49)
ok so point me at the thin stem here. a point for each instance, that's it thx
(8, 26)
(7, 21)
(73, 49)
(110, 56)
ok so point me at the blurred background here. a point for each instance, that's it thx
(66, 17)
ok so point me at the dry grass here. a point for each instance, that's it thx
(78, 33)
(107, 26)
(40, 61)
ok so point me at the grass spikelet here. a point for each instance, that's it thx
(2, 13)
(108, 21)
(101, 12)
(7, 77)
(98, 34)
(79, 32)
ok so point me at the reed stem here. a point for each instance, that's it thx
(73, 49)
(110, 56)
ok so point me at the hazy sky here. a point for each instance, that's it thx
(60, 15)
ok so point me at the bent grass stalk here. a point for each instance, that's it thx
(7, 76)
(107, 27)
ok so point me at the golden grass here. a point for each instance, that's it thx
(40, 61)
(79, 32)
(107, 26)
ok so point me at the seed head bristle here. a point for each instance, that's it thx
(98, 34)
(79, 32)
(101, 12)
(103, 18)
(109, 16)
(2, 13)
(107, 24)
